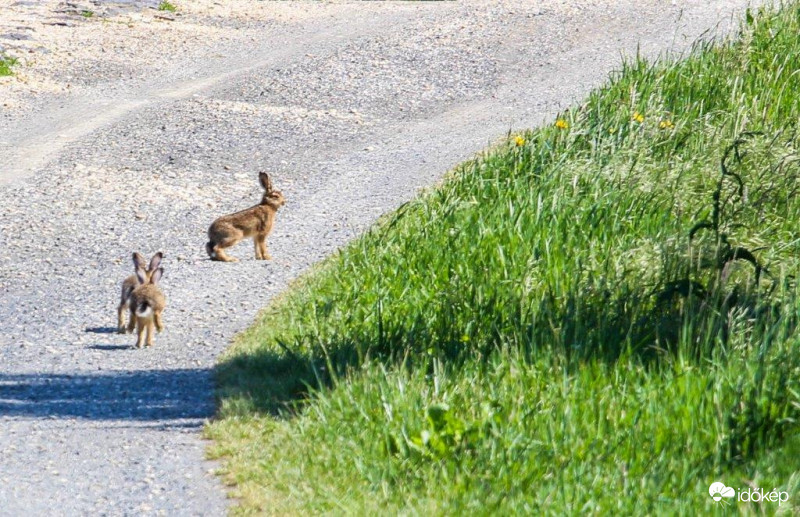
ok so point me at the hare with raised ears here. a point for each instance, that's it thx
(130, 283)
(146, 304)
(255, 222)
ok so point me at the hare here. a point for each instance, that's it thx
(130, 283)
(255, 222)
(146, 304)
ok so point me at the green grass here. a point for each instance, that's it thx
(167, 6)
(597, 317)
(6, 64)
(87, 13)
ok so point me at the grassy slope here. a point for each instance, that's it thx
(538, 333)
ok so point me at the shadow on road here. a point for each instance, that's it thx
(102, 330)
(110, 347)
(149, 395)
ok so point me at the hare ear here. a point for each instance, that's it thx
(138, 261)
(156, 276)
(155, 261)
(141, 274)
(263, 177)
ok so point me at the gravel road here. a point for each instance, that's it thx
(353, 107)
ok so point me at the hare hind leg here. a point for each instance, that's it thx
(141, 326)
(150, 332)
(121, 317)
(124, 298)
(218, 250)
(131, 320)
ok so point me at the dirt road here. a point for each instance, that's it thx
(352, 106)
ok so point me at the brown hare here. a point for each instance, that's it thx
(146, 304)
(130, 283)
(255, 222)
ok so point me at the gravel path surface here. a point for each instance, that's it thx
(352, 110)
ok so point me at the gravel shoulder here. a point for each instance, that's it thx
(353, 107)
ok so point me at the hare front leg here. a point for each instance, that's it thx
(262, 243)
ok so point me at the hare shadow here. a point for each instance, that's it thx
(101, 330)
(110, 347)
(104, 346)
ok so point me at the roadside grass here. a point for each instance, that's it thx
(6, 64)
(598, 316)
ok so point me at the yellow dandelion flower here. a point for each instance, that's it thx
(519, 140)
(638, 117)
(666, 124)
(562, 124)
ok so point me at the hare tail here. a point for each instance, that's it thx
(144, 310)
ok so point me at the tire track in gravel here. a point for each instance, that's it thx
(26, 149)
(351, 124)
